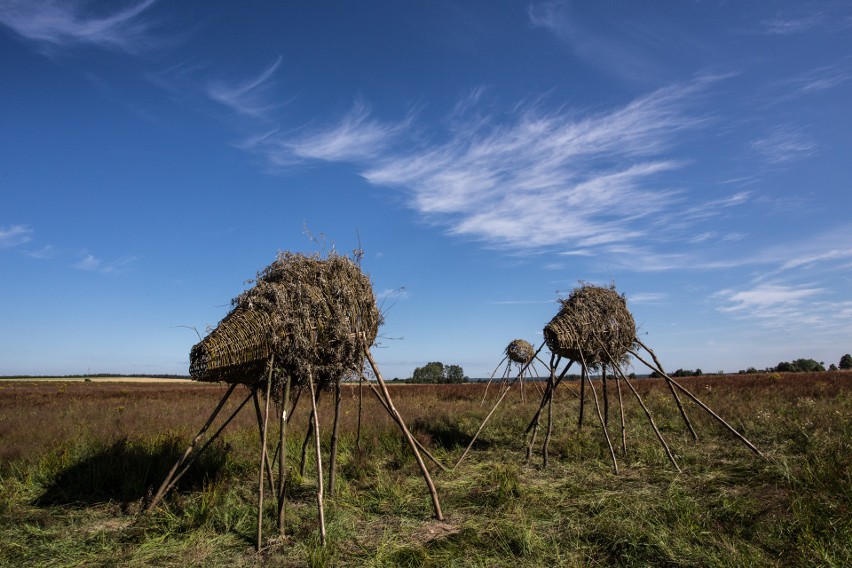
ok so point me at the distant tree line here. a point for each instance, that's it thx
(437, 373)
(803, 366)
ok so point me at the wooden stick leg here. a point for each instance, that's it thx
(600, 416)
(319, 459)
(621, 412)
(360, 406)
(481, 426)
(671, 389)
(308, 434)
(188, 463)
(697, 401)
(393, 411)
(259, 414)
(491, 378)
(651, 420)
(332, 458)
(282, 457)
(263, 461)
(582, 401)
(546, 445)
(420, 446)
(161, 491)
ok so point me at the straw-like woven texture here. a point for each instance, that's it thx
(236, 351)
(520, 351)
(316, 315)
(591, 316)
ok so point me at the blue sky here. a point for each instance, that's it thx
(487, 156)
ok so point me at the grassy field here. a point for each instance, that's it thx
(78, 459)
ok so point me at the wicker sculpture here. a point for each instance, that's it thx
(307, 323)
(595, 329)
(520, 355)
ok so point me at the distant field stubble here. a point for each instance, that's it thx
(76, 460)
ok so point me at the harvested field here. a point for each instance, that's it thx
(78, 458)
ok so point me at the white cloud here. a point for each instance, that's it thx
(47, 251)
(646, 297)
(791, 25)
(91, 263)
(14, 235)
(765, 296)
(783, 144)
(538, 179)
(249, 97)
(61, 24)
(356, 137)
(615, 45)
(803, 308)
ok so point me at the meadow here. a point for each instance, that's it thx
(78, 459)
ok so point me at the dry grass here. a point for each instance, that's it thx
(66, 451)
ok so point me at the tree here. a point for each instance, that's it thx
(800, 366)
(430, 373)
(454, 374)
(846, 362)
(437, 373)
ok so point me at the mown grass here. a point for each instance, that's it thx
(78, 460)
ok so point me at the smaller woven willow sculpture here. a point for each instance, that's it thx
(595, 329)
(520, 351)
(521, 355)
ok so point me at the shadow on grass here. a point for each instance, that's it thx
(125, 472)
(446, 434)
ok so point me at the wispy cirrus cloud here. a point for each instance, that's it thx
(56, 24)
(536, 179)
(14, 235)
(788, 306)
(45, 252)
(791, 25)
(91, 263)
(526, 178)
(249, 97)
(356, 138)
(783, 144)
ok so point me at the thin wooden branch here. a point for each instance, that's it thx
(582, 400)
(263, 456)
(671, 388)
(605, 396)
(259, 414)
(360, 406)
(648, 414)
(308, 434)
(491, 378)
(546, 444)
(282, 456)
(697, 401)
(188, 463)
(481, 426)
(161, 491)
(420, 446)
(332, 459)
(598, 408)
(393, 411)
(319, 458)
(621, 412)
